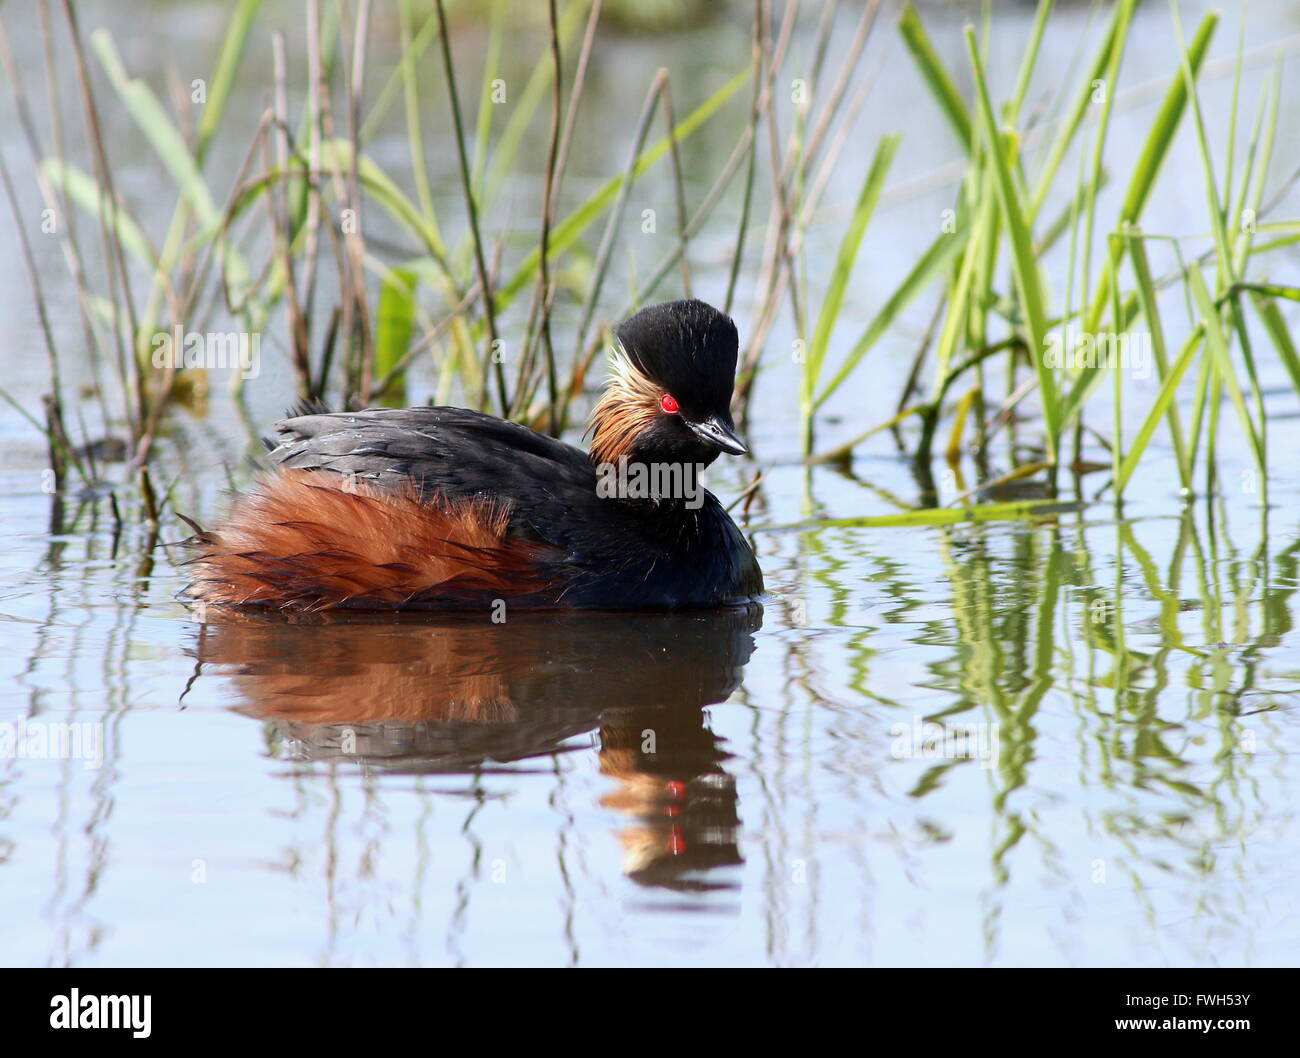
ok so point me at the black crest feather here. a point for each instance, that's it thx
(688, 346)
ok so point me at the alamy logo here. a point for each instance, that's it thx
(930, 740)
(76, 1011)
(53, 740)
(1077, 350)
(650, 481)
(215, 350)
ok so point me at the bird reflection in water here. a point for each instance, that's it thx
(441, 694)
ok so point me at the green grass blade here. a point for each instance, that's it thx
(383, 189)
(396, 322)
(848, 254)
(567, 232)
(157, 127)
(223, 77)
(1151, 312)
(932, 517)
(1069, 127)
(1217, 341)
(1024, 263)
(414, 120)
(486, 108)
(1154, 151)
(1225, 260)
(935, 75)
(1028, 62)
(1164, 404)
(82, 189)
(1161, 136)
(959, 302)
(1276, 326)
(934, 261)
(525, 107)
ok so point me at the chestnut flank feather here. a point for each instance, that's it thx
(314, 540)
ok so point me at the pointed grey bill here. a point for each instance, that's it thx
(719, 434)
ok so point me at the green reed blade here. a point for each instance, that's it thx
(1151, 312)
(1069, 126)
(1025, 264)
(1217, 343)
(1154, 151)
(848, 255)
(85, 192)
(223, 77)
(1163, 405)
(394, 325)
(157, 127)
(934, 261)
(567, 231)
(1278, 329)
(1028, 62)
(939, 516)
(935, 75)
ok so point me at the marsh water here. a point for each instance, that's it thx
(1066, 739)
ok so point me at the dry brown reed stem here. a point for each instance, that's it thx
(119, 278)
(471, 208)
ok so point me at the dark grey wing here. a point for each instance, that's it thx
(456, 453)
(453, 451)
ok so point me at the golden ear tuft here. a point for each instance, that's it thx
(629, 404)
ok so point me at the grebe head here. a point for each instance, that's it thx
(669, 393)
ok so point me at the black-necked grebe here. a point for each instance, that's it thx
(444, 508)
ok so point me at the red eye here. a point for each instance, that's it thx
(669, 404)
